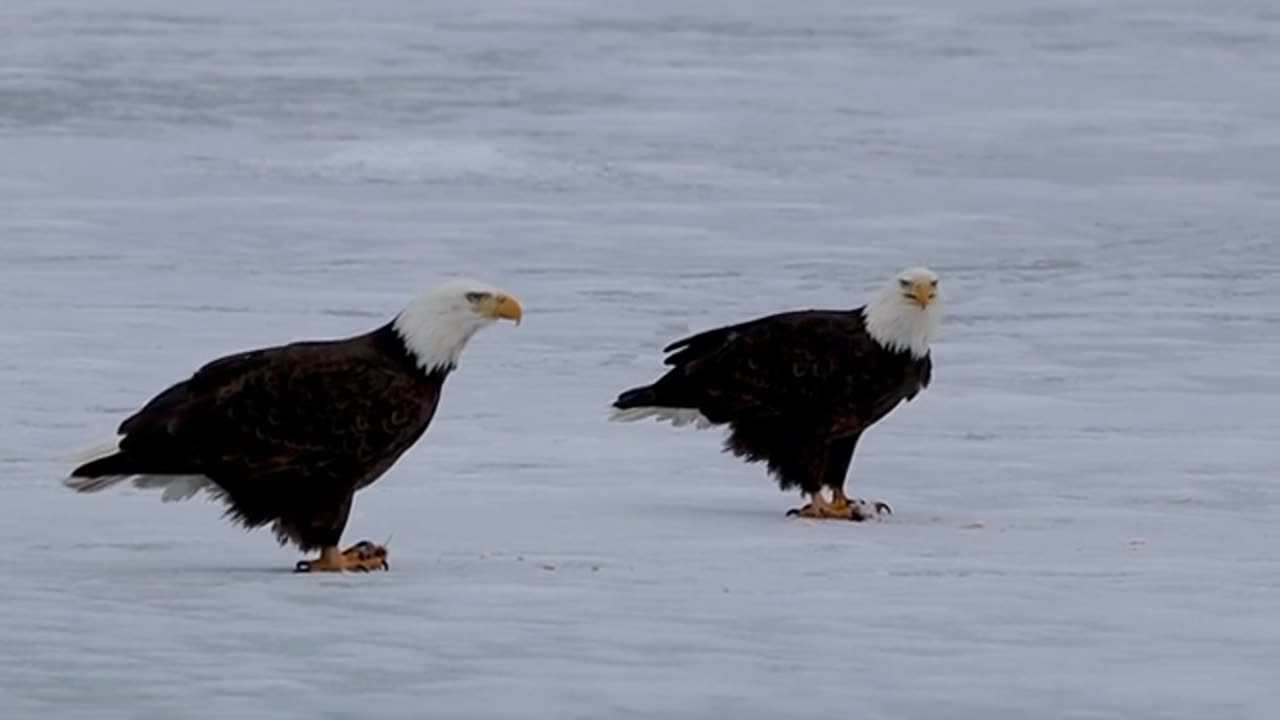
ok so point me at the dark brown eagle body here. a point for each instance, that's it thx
(797, 389)
(286, 434)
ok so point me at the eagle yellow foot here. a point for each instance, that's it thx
(361, 557)
(841, 508)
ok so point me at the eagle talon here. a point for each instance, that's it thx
(361, 557)
(365, 550)
(808, 510)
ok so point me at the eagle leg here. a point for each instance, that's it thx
(361, 557)
(839, 500)
(841, 507)
(817, 507)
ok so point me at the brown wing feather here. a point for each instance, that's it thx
(790, 385)
(819, 364)
(325, 418)
(287, 433)
(210, 376)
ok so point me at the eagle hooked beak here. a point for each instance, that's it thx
(502, 306)
(922, 292)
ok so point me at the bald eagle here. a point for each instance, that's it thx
(287, 434)
(798, 389)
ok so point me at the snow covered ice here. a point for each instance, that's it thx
(1085, 499)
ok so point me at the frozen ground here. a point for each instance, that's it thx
(1096, 180)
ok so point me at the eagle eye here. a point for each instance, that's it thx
(905, 283)
(475, 297)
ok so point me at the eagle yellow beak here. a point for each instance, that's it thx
(922, 292)
(505, 307)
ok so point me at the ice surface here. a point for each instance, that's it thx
(1096, 181)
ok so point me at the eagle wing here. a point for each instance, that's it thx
(204, 380)
(814, 364)
(286, 414)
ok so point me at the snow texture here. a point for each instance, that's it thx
(1085, 500)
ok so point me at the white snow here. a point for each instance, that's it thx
(1085, 500)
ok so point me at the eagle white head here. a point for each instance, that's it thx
(905, 314)
(436, 325)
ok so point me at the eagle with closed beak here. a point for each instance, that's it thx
(287, 435)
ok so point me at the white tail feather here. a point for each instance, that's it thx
(93, 484)
(174, 487)
(679, 417)
(179, 487)
(89, 453)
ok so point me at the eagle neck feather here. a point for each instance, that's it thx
(432, 341)
(899, 325)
